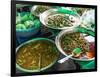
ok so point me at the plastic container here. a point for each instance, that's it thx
(28, 32)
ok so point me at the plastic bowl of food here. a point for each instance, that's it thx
(26, 25)
(69, 39)
(36, 55)
(38, 9)
(27, 32)
(56, 20)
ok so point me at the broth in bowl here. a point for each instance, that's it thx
(36, 55)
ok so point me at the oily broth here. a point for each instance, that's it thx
(49, 56)
(28, 56)
(36, 55)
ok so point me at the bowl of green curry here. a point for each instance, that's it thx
(36, 55)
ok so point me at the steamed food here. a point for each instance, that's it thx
(36, 55)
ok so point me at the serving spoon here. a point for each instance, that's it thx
(76, 51)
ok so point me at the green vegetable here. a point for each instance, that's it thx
(26, 20)
(77, 51)
(20, 26)
(18, 20)
(29, 24)
(27, 17)
(37, 23)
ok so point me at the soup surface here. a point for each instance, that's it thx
(36, 55)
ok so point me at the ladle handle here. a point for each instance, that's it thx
(64, 59)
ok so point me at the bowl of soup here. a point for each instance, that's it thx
(68, 40)
(56, 20)
(36, 55)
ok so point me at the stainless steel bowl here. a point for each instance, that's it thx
(35, 70)
(57, 41)
(44, 15)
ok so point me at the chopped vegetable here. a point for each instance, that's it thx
(60, 20)
(25, 21)
(21, 26)
(29, 24)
